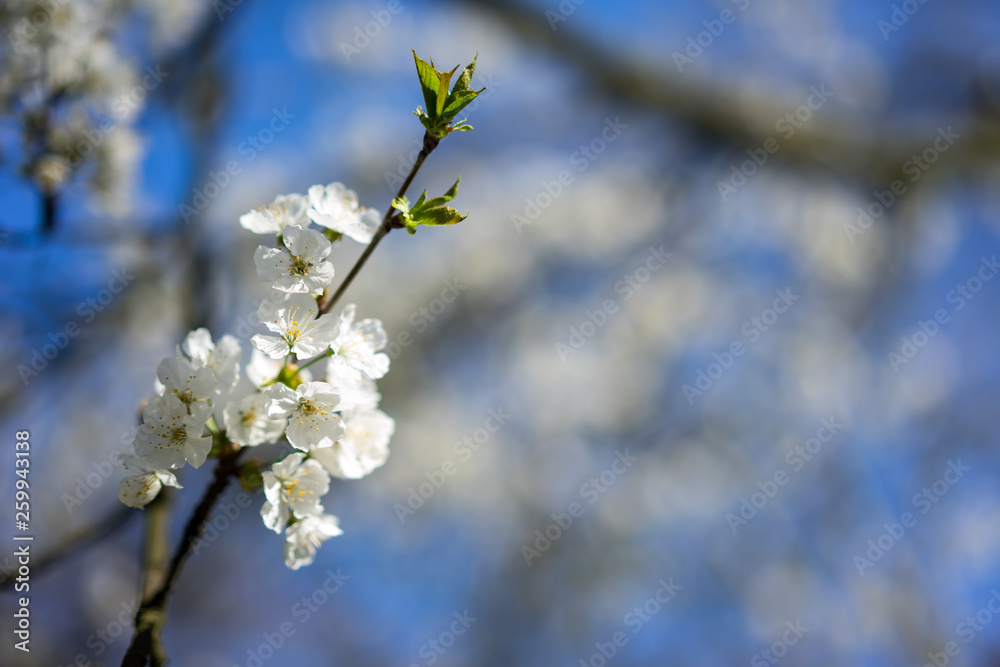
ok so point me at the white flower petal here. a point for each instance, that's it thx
(293, 485)
(248, 424)
(262, 369)
(196, 451)
(198, 346)
(183, 380)
(139, 490)
(272, 346)
(275, 515)
(336, 208)
(271, 263)
(363, 448)
(305, 536)
(272, 219)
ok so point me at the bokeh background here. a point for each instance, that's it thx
(695, 89)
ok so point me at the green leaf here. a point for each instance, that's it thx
(453, 190)
(442, 215)
(420, 200)
(442, 92)
(429, 124)
(430, 81)
(402, 204)
(421, 205)
(465, 79)
(458, 101)
(442, 106)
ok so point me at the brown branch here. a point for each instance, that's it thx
(430, 143)
(872, 151)
(74, 543)
(145, 647)
(156, 555)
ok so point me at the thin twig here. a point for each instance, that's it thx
(430, 143)
(156, 556)
(157, 547)
(75, 542)
(145, 648)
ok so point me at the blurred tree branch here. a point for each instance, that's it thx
(854, 147)
(74, 543)
(146, 647)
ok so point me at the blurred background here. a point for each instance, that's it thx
(717, 380)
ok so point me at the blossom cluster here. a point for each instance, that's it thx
(329, 421)
(68, 86)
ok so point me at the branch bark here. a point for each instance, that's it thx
(430, 143)
(74, 543)
(146, 648)
(870, 150)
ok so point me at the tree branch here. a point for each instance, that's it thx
(75, 542)
(867, 150)
(145, 647)
(430, 143)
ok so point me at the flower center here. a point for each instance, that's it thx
(292, 333)
(299, 266)
(307, 409)
(184, 397)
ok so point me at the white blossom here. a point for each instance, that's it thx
(293, 317)
(285, 210)
(336, 425)
(302, 268)
(293, 487)
(311, 410)
(262, 369)
(183, 381)
(336, 207)
(305, 536)
(170, 434)
(139, 490)
(247, 422)
(357, 345)
(222, 358)
(363, 447)
(357, 391)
